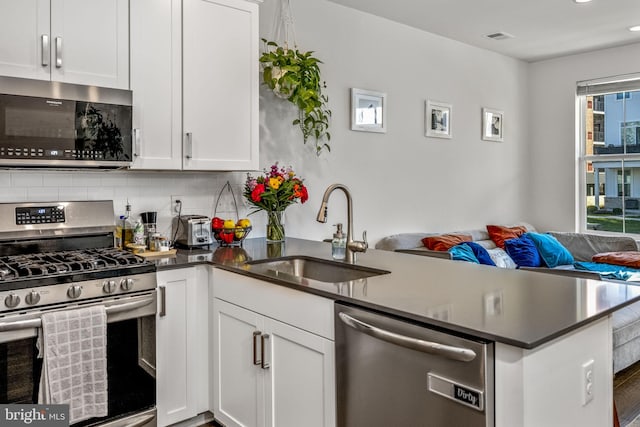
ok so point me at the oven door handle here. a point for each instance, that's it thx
(37, 323)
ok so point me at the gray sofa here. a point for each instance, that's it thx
(626, 322)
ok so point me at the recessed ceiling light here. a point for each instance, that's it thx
(635, 28)
(582, 1)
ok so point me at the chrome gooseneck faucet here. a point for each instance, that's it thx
(352, 245)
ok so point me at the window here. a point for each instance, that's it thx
(624, 187)
(610, 155)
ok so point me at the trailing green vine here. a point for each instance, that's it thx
(295, 76)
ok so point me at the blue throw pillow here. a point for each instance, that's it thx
(523, 251)
(481, 253)
(552, 252)
(463, 252)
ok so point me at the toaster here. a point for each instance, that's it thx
(192, 230)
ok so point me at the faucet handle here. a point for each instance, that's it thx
(356, 246)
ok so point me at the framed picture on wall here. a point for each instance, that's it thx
(492, 125)
(437, 119)
(368, 111)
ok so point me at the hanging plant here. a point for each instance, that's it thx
(295, 76)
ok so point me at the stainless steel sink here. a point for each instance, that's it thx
(303, 267)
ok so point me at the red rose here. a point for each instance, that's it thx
(305, 194)
(257, 192)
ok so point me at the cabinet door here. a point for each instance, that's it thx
(23, 24)
(300, 386)
(156, 67)
(174, 339)
(238, 397)
(90, 42)
(220, 83)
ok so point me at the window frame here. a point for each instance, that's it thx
(627, 83)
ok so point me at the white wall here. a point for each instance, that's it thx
(552, 204)
(401, 181)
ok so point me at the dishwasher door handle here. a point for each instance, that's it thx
(450, 352)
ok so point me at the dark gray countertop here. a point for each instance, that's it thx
(520, 308)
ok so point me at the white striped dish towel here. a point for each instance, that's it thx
(74, 369)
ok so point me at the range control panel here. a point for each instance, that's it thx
(40, 215)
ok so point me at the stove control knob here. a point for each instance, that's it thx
(74, 291)
(12, 300)
(32, 298)
(109, 286)
(126, 284)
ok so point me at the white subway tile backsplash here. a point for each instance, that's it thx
(26, 179)
(72, 193)
(86, 179)
(145, 191)
(15, 194)
(57, 180)
(5, 179)
(100, 193)
(42, 194)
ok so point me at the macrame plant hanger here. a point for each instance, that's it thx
(284, 32)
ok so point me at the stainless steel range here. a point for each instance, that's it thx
(60, 256)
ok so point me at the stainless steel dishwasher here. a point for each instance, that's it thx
(392, 372)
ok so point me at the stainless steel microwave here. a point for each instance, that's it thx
(53, 124)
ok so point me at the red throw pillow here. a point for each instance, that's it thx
(444, 242)
(626, 258)
(499, 233)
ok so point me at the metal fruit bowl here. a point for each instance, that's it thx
(230, 236)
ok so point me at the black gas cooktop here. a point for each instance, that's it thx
(46, 268)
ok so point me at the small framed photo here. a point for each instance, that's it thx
(437, 119)
(368, 111)
(492, 125)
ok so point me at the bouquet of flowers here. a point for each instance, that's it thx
(272, 192)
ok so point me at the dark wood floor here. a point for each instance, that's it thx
(626, 393)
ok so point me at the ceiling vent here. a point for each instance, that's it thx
(499, 36)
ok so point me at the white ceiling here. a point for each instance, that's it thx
(542, 29)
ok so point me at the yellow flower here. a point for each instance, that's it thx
(274, 183)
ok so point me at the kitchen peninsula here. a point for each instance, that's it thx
(544, 328)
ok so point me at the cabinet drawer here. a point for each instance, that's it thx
(297, 308)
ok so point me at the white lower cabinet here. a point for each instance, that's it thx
(181, 344)
(269, 372)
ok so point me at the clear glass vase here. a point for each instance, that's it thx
(275, 226)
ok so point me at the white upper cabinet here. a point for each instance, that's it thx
(220, 83)
(24, 28)
(194, 76)
(72, 41)
(156, 67)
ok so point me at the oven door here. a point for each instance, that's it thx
(130, 359)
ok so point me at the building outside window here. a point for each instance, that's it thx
(610, 155)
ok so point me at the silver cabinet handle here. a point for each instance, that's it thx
(45, 50)
(263, 344)
(256, 361)
(136, 142)
(188, 145)
(163, 301)
(450, 352)
(58, 52)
